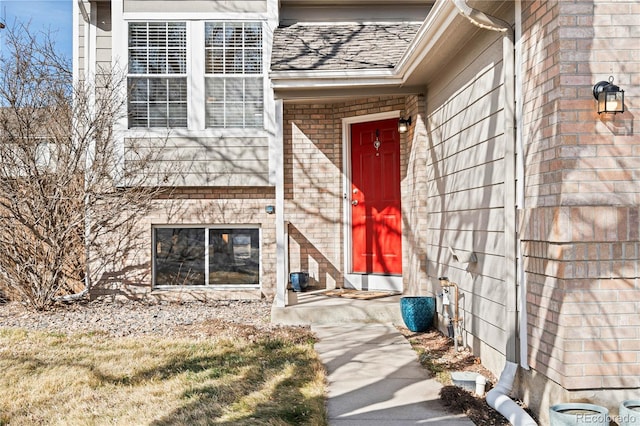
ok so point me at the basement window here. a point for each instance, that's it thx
(200, 257)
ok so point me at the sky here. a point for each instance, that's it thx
(54, 16)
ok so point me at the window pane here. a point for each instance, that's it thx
(177, 115)
(180, 256)
(234, 115)
(234, 256)
(215, 115)
(215, 89)
(177, 90)
(214, 34)
(157, 102)
(177, 35)
(253, 35)
(138, 89)
(137, 61)
(233, 61)
(233, 35)
(233, 50)
(137, 34)
(176, 61)
(234, 89)
(138, 115)
(157, 89)
(157, 48)
(253, 114)
(214, 61)
(253, 90)
(157, 115)
(157, 34)
(253, 61)
(215, 102)
(157, 62)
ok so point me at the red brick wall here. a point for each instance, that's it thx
(129, 275)
(580, 223)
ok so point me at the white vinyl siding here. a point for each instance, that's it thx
(466, 187)
(196, 6)
(157, 82)
(234, 75)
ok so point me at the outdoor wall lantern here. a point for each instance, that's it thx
(609, 96)
(403, 124)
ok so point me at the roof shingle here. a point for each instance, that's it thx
(340, 46)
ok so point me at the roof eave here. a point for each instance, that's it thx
(332, 78)
(431, 37)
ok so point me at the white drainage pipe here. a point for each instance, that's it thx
(498, 398)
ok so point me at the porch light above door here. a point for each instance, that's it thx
(609, 96)
(403, 124)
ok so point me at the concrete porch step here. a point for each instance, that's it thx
(315, 308)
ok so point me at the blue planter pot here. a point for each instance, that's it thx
(418, 312)
(299, 281)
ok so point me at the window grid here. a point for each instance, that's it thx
(234, 75)
(157, 82)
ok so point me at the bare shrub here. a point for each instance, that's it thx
(64, 190)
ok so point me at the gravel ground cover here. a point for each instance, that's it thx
(135, 318)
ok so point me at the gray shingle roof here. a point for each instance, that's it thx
(340, 46)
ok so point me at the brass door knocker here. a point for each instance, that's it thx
(377, 143)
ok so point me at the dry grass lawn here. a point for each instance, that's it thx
(217, 377)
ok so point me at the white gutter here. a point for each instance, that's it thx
(429, 34)
(334, 79)
(498, 397)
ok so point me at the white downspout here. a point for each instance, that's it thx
(498, 397)
(281, 231)
(77, 9)
(520, 188)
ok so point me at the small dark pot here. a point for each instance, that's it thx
(299, 280)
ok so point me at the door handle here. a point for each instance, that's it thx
(354, 202)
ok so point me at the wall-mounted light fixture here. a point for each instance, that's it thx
(609, 96)
(403, 124)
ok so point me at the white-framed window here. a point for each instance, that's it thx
(206, 256)
(233, 74)
(157, 77)
(196, 75)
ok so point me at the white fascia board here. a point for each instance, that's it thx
(430, 33)
(335, 78)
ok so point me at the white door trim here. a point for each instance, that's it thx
(351, 280)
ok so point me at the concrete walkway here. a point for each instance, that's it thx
(375, 379)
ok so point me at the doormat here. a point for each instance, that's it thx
(348, 293)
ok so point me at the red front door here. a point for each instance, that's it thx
(375, 198)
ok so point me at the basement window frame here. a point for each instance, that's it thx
(255, 256)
